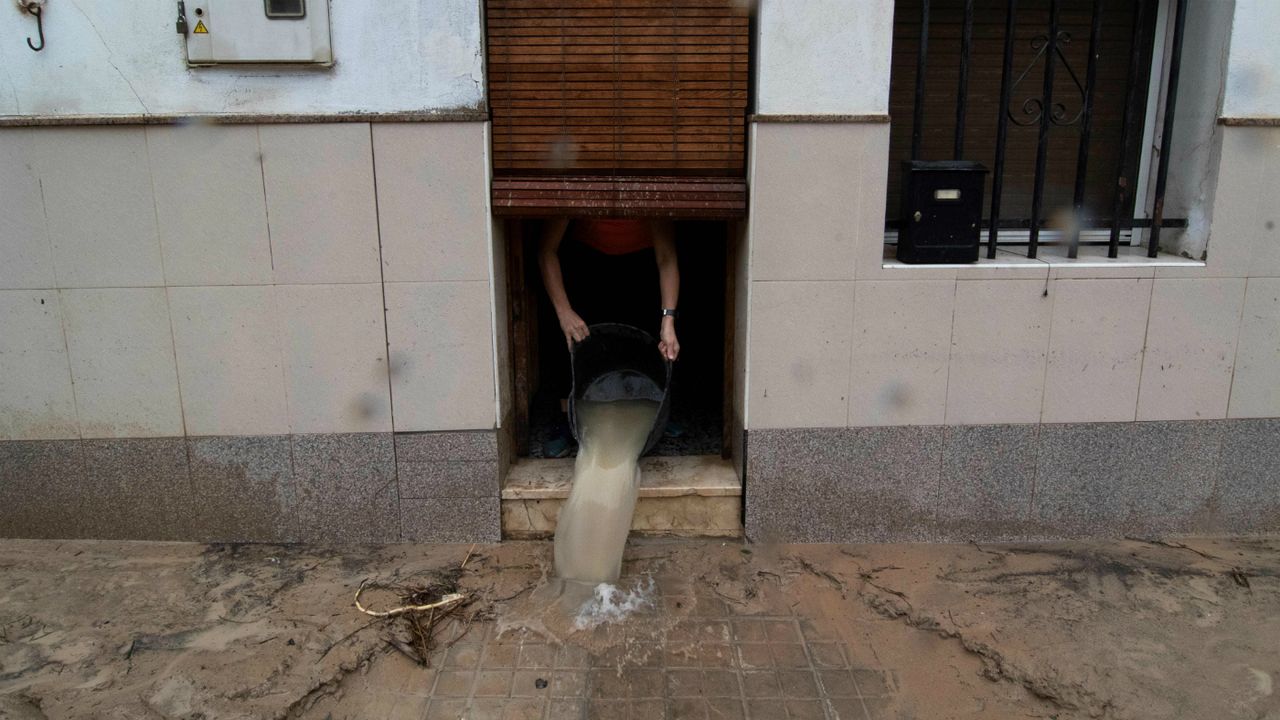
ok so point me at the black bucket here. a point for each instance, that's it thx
(620, 362)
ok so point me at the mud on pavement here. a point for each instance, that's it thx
(1122, 629)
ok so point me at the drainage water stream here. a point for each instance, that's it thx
(592, 529)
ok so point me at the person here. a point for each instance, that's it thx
(598, 270)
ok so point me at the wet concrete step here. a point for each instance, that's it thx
(696, 496)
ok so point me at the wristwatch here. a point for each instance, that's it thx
(670, 312)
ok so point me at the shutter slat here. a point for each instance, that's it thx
(613, 87)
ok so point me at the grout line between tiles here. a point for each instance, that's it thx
(1146, 336)
(1235, 351)
(386, 337)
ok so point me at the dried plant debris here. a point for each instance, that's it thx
(434, 612)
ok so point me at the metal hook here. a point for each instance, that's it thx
(35, 10)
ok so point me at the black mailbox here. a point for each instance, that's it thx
(941, 211)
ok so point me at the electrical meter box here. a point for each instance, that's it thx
(941, 211)
(256, 31)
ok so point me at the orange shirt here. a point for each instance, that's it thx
(614, 236)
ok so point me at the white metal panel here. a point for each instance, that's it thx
(240, 31)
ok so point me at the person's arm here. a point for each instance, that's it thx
(664, 248)
(575, 330)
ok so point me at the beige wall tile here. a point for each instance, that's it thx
(432, 200)
(1255, 389)
(210, 205)
(806, 200)
(26, 259)
(1244, 239)
(230, 363)
(36, 402)
(998, 347)
(99, 204)
(798, 351)
(1261, 151)
(320, 202)
(1191, 344)
(1095, 350)
(901, 345)
(122, 362)
(441, 355)
(335, 358)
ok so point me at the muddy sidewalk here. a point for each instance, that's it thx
(1130, 629)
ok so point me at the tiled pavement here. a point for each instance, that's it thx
(710, 665)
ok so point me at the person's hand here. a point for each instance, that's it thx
(668, 344)
(575, 330)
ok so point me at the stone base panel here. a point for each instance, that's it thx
(339, 488)
(1013, 482)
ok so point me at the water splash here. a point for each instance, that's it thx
(612, 604)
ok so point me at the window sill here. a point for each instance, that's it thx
(1053, 257)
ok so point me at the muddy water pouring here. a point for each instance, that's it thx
(617, 409)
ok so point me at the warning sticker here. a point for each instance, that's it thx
(200, 28)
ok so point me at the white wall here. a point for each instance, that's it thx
(125, 57)
(1197, 139)
(1253, 71)
(823, 57)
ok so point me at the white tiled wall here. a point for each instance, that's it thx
(1024, 343)
(441, 357)
(800, 234)
(26, 259)
(320, 201)
(335, 358)
(121, 348)
(799, 353)
(35, 377)
(1191, 348)
(209, 203)
(1255, 388)
(901, 346)
(999, 341)
(1095, 350)
(226, 279)
(230, 360)
(99, 205)
(432, 201)
(267, 239)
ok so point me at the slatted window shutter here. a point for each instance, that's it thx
(612, 88)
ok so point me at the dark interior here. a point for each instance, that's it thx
(697, 390)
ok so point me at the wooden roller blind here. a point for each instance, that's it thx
(618, 87)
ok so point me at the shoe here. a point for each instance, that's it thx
(673, 429)
(561, 443)
(557, 447)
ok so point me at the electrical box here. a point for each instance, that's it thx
(941, 211)
(256, 31)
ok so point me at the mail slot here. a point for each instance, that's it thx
(941, 211)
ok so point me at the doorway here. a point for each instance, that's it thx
(539, 356)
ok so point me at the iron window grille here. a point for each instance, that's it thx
(1021, 108)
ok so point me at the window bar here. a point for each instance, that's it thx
(1166, 139)
(1082, 160)
(917, 127)
(962, 89)
(1123, 184)
(1046, 116)
(1002, 128)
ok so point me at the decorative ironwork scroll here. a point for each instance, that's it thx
(1033, 107)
